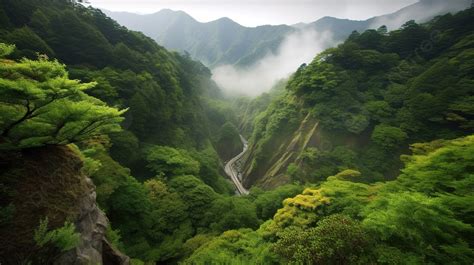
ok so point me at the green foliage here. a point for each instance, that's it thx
(234, 247)
(424, 216)
(114, 238)
(28, 43)
(209, 164)
(40, 105)
(130, 71)
(168, 161)
(232, 213)
(388, 137)
(125, 148)
(63, 238)
(228, 141)
(6, 49)
(267, 203)
(423, 225)
(379, 111)
(197, 196)
(106, 173)
(270, 128)
(318, 164)
(335, 240)
(169, 226)
(375, 94)
(440, 167)
(368, 97)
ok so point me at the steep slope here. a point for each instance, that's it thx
(423, 217)
(49, 183)
(361, 104)
(131, 70)
(166, 140)
(223, 41)
(218, 42)
(422, 11)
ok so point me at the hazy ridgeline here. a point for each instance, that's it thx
(113, 148)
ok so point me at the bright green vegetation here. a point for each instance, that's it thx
(152, 131)
(175, 190)
(167, 95)
(160, 134)
(360, 105)
(40, 105)
(422, 217)
(51, 243)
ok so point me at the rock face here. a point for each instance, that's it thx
(94, 248)
(287, 149)
(48, 182)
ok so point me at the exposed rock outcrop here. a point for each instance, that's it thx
(48, 182)
(93, 248)
(273, 172)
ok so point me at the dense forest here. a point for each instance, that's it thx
(112, 148)
(360, 105)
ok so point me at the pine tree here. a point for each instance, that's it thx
(40, 105)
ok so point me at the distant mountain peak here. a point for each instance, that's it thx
(224, 41)
(225, 20)
(173, 13)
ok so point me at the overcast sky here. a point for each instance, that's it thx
(261, 12)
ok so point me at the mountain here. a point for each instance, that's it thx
(224, 41)
(360, 105)
(422, 11)
(110, 144)
(85, 100)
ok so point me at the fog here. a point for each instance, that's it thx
(424, 12)
(261, 12)
(297, 48)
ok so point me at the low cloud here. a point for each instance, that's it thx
(297, 48)
(424, 11)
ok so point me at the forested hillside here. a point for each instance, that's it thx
(161, 89)
(163, 127)
(112, 149)
(361, 104)
(224, 41)
(425, 216)
(215, 43)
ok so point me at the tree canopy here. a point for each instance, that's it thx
(40, 105)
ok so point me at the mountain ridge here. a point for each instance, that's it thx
(224, 41)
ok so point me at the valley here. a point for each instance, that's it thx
(234, 173)
(140, 139)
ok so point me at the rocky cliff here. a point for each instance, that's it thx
(285, 151)
(48, 183)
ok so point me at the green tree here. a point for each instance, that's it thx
(50, 243)
(170, 226)
(198, 197)
(168, 161)
(28, 43)
(388, 136)
(228, 141)
(421, 225)
(242, 246)
(267, 203)
(232, 213)
(336, 239)
(40, 105)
